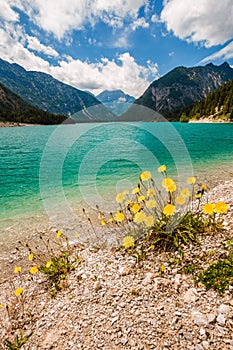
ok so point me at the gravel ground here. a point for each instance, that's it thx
(113, 302)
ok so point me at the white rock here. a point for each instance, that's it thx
(205, 344)
(190, 296)
(199, 318)
(148, 278)
(202, 331)
(221, 319)
(224, 309)
(198, 347)
(97, 286)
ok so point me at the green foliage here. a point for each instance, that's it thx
(18, 342)
(218, 104)
(218, 275)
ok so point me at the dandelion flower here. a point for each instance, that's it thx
(111, 220)
(48, 264)
(150, 192)
(141, 198)
(171, 188)
(59, 234)
(18, 291)
(152, 247)
(185, 192)
(149, 221)
(221, 207)
(120, 197)
(135, 208)
(180, 200)
(145, 175)
(17, 269)
(119, 216)
(208, 208)
(204, 187)
(33, 270)
(30, 257)
(167, 182)
(151, 203)
(169, 209)
(103, 222)
(191, 180)
(162, 168)
(162, 268)
(125, 192)
(135, 190)
(139, 217)
(128, 242)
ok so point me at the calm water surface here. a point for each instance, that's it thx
(48, 168)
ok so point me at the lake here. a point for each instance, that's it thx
(53, 170)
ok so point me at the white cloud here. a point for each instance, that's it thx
(225, 53)
(140, 22)
(123, 73)
(34, 44)
(6, 12)
(65, 16)
(200, 21)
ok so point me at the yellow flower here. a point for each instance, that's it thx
(59, 234)
(167, 182)
(185, 192)
(145, 175)
(119, 216)
(139, 217)
(135, 208)
(111, 220)
(33, 270)
(141, 198)
(171, 188)
(169, 209)
(204, 187)
(149, 221)
(77, 235)
(2, 305)
(221, 207)
(30, 257)
(128, 242)
(103, 222)
(191, 180)
(162, 168)
(150, 192)
(18, 291)
(162, 268)
(151, 203)
(180, 200)
(120, 197)
(48, 264)
(152, 247)
(127, 202)
(125, 192)
(208, 208)
(198, 195)
(17, 269)
(135, 190)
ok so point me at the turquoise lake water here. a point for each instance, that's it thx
(49, 168)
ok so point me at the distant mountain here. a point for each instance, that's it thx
(117, 101)
(217, 105)
(14, 109)
(43, 91)
(177, 90)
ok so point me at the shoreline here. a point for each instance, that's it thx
(13, 124)
(114, 302)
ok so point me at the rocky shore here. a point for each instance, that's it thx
(116, 302)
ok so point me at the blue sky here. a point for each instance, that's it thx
(122, 44)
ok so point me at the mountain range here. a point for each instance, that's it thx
(167, 98)
(49, 94)
(116, 101)
(171, 94)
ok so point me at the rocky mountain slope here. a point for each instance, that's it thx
(14, 109)
(116, 101)
(178, 89)
(43, 91)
